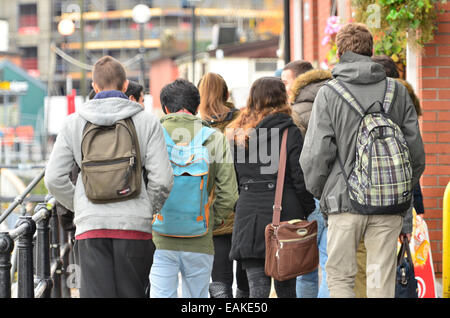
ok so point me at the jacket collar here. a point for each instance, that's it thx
(307, 78)
(109, 94)
(358, 69)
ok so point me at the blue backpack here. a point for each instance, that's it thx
(186, 212)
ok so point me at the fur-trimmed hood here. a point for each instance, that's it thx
(299, 94)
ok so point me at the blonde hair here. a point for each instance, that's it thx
(213, 95)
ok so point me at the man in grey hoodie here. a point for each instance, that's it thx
(331, 136)
(113, 239)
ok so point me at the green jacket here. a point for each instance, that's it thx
(227, 227)
(182, 127)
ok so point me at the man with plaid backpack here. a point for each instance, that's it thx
(362, 155)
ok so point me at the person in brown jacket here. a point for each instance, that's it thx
(218, 112)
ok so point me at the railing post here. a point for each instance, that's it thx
(65, 258)
(6, 247)
(43, 251)
(25, 262)
(55, 253)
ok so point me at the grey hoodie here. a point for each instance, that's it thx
(332, 131)
(134, 214)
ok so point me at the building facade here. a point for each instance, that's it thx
(109, 29)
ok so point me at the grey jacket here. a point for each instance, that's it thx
(303, 93)
(333, 129)
(134, 214)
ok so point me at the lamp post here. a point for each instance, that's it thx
(194, 37)
(66, 27)
(141, 15)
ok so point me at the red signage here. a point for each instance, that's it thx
(71, 102)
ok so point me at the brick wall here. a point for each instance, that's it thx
(311, 36)
(323, 12)
(434, 93)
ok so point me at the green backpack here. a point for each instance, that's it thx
(111, 166)
(381, 178)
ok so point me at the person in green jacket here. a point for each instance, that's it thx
(218, 112)
(192, 257)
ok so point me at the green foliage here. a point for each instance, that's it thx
(401, 22)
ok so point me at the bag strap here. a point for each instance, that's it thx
(280, 180)
(404, 249)
(167, 138)
(346, 95)
(389, 95)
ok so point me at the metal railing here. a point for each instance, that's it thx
(42, 247)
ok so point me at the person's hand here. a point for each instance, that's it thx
(403, 235)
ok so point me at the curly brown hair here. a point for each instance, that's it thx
(267, 96)
(354, 37)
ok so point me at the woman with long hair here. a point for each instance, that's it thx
(218, 112)
(256, 138)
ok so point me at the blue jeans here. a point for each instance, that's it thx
(195, 269)
(308, 284)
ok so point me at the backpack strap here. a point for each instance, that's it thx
(201, 137)
(167, 138)
(390, 95)
(342, 91)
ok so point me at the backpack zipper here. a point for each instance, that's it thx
(106, 163)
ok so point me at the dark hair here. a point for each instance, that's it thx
(389, 65)
(134, 89)
(109, 73)
(355, 37)
(298, 67)
(178, 95)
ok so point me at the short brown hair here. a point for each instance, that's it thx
(355, 37)
(109, 73)
(298, 67)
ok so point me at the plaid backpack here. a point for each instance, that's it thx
(381, 178)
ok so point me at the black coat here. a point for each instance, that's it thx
(257, 189)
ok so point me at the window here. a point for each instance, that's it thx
(28, 19)
(30, 58)
(265, 66)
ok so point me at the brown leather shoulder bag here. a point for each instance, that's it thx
(291, 246)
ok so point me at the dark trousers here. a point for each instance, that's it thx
(260, 284)
(114, 268)
(223, 267)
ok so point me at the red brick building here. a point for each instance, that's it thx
(428, 71)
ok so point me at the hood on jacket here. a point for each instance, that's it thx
(280, 121)
(358, 69)
(107, 111)
(230, 115)
(303, 88)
